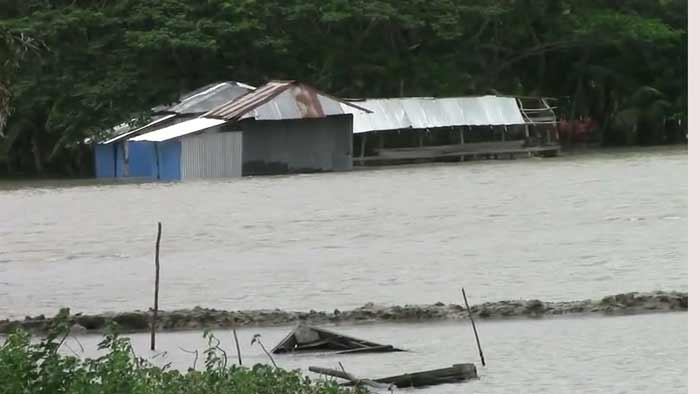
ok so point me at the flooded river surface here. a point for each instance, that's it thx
(632, 354)
(573, 227)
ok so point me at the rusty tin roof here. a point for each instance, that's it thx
(278, 100)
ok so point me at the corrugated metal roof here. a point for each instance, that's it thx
(387, 114)
(278, 100)
(179, 129)
(209, 97)
(430, 112)
(537, 110)
(126, 135)
(197, 101)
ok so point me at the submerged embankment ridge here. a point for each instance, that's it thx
(197, 318)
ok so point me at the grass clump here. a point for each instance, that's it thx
(31, 367)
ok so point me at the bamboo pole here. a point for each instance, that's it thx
(238, 348)
(476, 334)
(154, 319)
(461, 141)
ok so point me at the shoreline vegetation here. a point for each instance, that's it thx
(207, 318)
(29, 366)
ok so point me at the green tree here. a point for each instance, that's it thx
(101, 63)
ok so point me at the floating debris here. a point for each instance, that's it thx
(308, 338)
(454, 374)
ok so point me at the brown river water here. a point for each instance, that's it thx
(630, 354)
(582, 226)
(578, 226)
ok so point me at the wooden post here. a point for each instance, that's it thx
(363, 144)
(154, 319)
(527, 139)
(461, 141)
(238, 347)
(476, 334)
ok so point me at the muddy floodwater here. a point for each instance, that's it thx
(567, 228)
(631, 354)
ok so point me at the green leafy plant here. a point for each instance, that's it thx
(28, 366)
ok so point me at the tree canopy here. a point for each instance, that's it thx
(70, 69)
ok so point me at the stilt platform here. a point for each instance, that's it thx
(470, 151)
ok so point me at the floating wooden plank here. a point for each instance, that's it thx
(454, 374)
(308, 338)
(344, 375)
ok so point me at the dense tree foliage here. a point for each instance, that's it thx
(72, 68)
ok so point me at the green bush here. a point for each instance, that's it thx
(39, 367)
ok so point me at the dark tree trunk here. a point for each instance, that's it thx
(36, 151)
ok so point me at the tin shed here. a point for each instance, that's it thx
(112, 154)
(290, 127)
(197, 148)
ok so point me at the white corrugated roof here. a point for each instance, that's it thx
(430, 112)
(134, 131)
(179, 129)
(387, 114)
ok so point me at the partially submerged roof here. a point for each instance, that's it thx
(179, 130)
(308, 338)
(279, 100)
(537, 110)
(209, 97)
(123, 136)
(190, 104)
(431, 112)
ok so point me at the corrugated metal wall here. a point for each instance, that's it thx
(303, 145)
(211, 155)
(169, 159)
(154, 160)
(120, 160)
(142, 160)
(105, 161)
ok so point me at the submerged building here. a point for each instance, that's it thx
(112, 155)
(231, 129)
(291, 127)
(279, 128)
(416, 128)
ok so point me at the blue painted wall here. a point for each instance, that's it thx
(105, 160)
(142, 160)
(146, 160)
(119, 159)
(169, 154)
